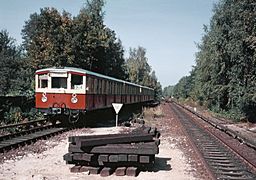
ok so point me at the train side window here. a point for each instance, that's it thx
(91, 85)
(100, 86)
(109, 87)
(117, 88)
(43, 81)
(110, 90)
(59, 82)
(107, 90)
(114, 88)
(104, 86)
(76, 81)
(96, 86)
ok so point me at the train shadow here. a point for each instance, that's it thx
(106, 117)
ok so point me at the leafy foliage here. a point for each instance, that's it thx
(168, 91)
(12, 67)
(46, 38)
(140, 72)
(54, 39)
(224, 77)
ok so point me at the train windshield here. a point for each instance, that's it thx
(59, 82)
(76, 81)
(43, 81)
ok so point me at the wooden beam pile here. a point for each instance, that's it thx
(123, 154)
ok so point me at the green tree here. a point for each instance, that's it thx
(9, 59)
(168, 91)
(139, 71)
(46, 38)
(183, 88)
(95, 46)
(88, 36)
(224, 77)
(137, 66)
(54, 39)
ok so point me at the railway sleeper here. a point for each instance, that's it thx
(228, 169)
(212, 149)
(215, 153)
(120, 171)
(221, 165)
(106, 171)
(217, 158)
(234, 174)
(235, 178)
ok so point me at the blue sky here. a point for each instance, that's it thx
(168, 29)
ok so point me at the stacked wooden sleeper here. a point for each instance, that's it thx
(124, 153)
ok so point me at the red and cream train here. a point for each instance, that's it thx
(71, 91)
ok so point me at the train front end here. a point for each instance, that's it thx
(61, 91)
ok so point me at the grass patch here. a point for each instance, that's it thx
(150, 114)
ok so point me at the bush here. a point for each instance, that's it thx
(13, 116)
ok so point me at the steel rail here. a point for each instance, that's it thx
(22, 124)
(219, 157)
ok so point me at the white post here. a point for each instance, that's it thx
(116, 119)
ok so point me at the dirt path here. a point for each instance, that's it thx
(47, 162)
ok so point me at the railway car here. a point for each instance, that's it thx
(71, 91)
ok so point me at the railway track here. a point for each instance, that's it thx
(28, 135)
(217, 149)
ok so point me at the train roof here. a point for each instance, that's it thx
(83, 71)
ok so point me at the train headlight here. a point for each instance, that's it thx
(74, 99)
(44, 98)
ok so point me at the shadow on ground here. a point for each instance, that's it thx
(159, 165)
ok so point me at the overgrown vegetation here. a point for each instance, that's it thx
(149, 114)
(224, 77)
(51, 38)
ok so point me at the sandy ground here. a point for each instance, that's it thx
(170, 162)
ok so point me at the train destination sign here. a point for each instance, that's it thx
(117, 107)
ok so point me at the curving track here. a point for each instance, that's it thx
(216, 148)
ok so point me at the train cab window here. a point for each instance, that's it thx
(59, 82)
(76, 81)
(43, 81)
